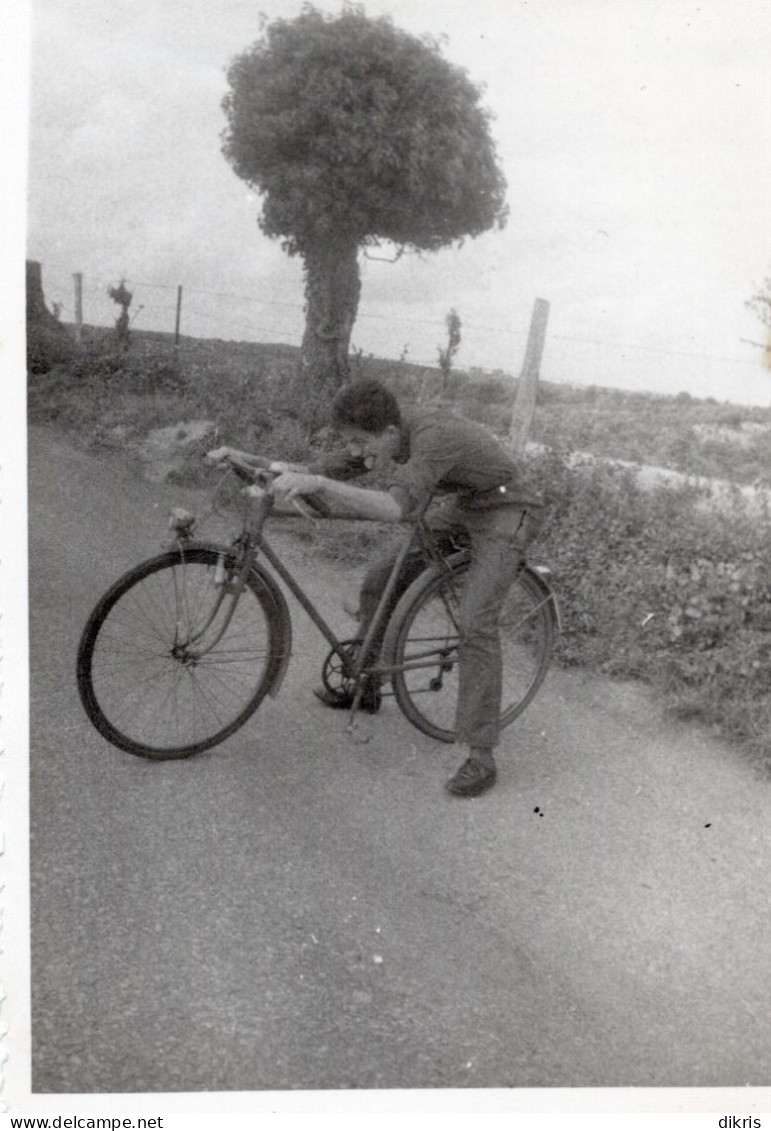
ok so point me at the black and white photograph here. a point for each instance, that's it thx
(385, 594)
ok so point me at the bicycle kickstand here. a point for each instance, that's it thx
(353, 726)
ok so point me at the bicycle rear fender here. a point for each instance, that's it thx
(541, 576)
(537, 574)
(273, 591)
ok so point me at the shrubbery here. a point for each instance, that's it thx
(657, 430)
(100, 385)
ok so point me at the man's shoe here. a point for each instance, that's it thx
(370, 701)
(471, 779)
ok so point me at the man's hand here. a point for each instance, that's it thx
(291, 484)
(216, 455)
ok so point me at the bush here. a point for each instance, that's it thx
(94, 386)
(490, 392)
(654, 587)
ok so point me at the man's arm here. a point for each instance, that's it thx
(362, 501)
(247, 457)
(340, 465)
(254, 460)
(336, 465)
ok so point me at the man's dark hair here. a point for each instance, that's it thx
(366, 404)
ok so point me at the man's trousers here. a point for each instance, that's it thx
(498, 538)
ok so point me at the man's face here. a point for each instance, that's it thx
(376, 448)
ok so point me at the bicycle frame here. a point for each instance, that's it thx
(253, 542)
(418, 532)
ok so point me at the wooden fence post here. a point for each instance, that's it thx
(78, 277)
(179, 317)
(524, 403)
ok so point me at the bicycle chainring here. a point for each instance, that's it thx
(334, 673)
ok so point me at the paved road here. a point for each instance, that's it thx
(296, 910)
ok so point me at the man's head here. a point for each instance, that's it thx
(367, 417)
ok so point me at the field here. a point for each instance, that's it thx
(654, 584)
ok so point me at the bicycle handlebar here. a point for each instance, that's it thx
(260, 471)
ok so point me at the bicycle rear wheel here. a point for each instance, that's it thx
(425, 640)
(153, 676)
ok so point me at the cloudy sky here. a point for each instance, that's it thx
(634, 136)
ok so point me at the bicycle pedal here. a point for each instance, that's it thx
(355, 733)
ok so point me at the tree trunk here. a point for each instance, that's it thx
(332, 289)
(48, 342)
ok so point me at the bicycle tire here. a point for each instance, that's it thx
(131, 665)
(422, 620)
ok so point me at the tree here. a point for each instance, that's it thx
(122, 297)
(760, 304)
(446, 354)
(48, 341)
(356, 133)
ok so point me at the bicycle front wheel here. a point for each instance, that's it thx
(426, 648)
(157, 675)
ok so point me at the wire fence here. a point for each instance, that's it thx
(385, 331)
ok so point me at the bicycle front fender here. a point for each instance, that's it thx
(279, 609)
(272, 587)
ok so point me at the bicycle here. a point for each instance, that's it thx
(182, 649)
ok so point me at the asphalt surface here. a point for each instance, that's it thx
(299, 910)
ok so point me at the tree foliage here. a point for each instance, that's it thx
(122, 297)
(760, 303)
(347, 125)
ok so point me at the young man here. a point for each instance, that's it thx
(490, 505)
